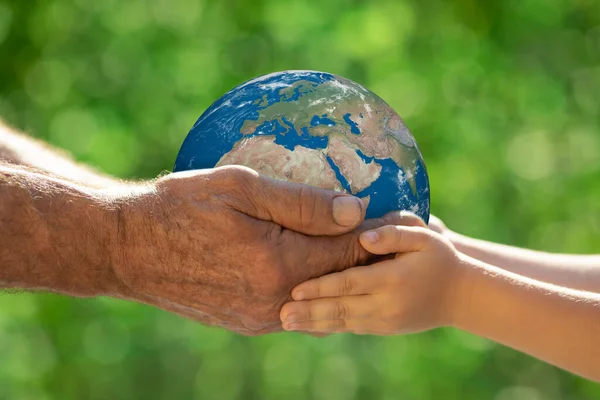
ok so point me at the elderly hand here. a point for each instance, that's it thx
(226, 246)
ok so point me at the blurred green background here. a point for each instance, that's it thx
(503, 98)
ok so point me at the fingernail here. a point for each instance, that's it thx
(290, 326)
(291, 318)
(299, 296)
(347, 210)
(370, 236)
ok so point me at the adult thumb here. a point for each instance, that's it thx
(305, 209)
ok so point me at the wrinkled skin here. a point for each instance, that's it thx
(226, 246)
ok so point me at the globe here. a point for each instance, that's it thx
(317, 129)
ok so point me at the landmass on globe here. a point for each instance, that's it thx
(318, 129)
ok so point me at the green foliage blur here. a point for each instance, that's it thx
(502, 96)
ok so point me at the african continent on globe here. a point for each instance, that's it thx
(318, 129)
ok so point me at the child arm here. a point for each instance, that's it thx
(431, 284)
(580, 272)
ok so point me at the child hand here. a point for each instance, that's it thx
(412, 292)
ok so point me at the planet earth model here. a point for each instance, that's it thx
(318, 129)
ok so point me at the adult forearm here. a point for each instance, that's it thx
(18, 149)
(558, 325)
(55, 235)
(578, 272)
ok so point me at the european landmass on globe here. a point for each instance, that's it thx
(317, 129)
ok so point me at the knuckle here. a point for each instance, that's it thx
(347, 285)
(307, 206)
(308, 312)
(341, 310)
(236, 180)
(235, 186)
(236, 174)
(316, 289)
(395, 234)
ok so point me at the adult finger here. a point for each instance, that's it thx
(302, 208)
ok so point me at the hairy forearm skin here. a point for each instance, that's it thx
(579, 272)
(21, 150)
(43, 247)
(552, 323)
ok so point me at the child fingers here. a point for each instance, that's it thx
(395, 239)
(353, 281)
(338, 308)
(363, 326)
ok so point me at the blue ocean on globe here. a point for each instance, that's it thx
(317, 129)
